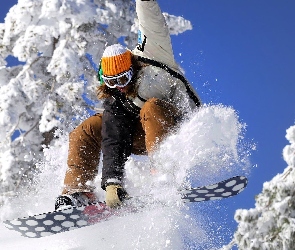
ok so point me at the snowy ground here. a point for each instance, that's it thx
(207, 148)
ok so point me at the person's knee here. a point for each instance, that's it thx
(150, 107)
(150, 103)
(91, 127)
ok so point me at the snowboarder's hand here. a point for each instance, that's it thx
(115, 194)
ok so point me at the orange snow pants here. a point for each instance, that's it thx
(157, 118)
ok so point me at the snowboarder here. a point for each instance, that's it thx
(145, 96)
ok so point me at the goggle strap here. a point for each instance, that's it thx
(100, 76)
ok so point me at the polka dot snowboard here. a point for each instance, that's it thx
(76, 217)
(60, 220)
(217, 191)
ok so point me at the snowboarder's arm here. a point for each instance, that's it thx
(154, 40)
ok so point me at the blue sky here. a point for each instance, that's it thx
(248, 46)
(242, 54)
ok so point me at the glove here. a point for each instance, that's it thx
(115, 195)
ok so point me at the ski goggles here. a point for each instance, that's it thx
(121, 80)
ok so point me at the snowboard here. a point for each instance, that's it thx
(76, 217)
(217, 191)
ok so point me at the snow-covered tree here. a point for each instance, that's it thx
(57, 42)
(271, 224)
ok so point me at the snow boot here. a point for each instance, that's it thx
(75, 200)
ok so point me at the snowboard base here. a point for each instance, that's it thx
(217, 191)
(76, 217)
(60, 220)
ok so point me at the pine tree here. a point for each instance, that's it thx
(271, 224)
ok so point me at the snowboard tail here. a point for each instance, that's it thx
(76, 217)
